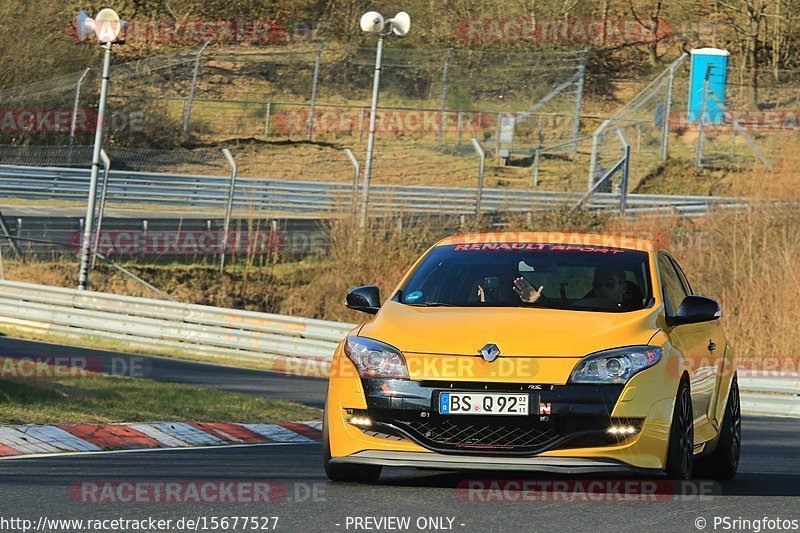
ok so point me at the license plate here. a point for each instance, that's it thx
(482, 403)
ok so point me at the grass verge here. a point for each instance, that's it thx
(99, 343)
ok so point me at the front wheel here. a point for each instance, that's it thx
(680, 452)
(344, 472)
(724, 460)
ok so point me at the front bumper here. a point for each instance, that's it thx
(559, 416)
(558, 465)
(404, 421)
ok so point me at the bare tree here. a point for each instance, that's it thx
(747, 19)
(651, 23)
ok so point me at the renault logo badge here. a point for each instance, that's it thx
(490, 352)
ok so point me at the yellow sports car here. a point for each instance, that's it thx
(528, 351)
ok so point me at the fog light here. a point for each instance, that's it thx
(622, 431)
(360, 421)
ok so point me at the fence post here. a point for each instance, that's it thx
(458, 130)
(314, 82)
(101, 209)
(623, 192)
(356, 170)
(10, 239)
(638, 137)
(702, 120)
(576, 127)
(443, 104)
(479, 194)
(535, 177)
(266, 119)
(75, 104)
(497, 137)
(228, 208)
(667, 112)
(595, 152)
(361, 125)
(188, 115)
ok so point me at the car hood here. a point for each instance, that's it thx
(517, 331)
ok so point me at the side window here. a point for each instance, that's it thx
(674, 292)
(686, 284)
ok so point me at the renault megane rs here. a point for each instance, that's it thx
(524, 351)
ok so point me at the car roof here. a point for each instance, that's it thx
(606, 240)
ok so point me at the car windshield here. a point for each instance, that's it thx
(543, 275)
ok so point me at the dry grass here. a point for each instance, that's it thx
(254, 288)
(750, 262)
(87, 397)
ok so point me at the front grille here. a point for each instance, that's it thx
(455, 434)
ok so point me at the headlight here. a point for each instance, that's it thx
(375, 359)
(615, 366)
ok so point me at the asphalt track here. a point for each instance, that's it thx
(767, 487)
(307, 391)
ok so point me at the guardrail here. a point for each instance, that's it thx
(282, 343)
(321, 198)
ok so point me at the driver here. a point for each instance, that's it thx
(609, 288)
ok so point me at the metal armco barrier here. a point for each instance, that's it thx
(283, 343)
(206, 193)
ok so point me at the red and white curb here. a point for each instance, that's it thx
(25, 440)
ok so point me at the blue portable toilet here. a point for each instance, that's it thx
(704, 59)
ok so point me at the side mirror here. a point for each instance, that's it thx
(366, 299)
(696, 309)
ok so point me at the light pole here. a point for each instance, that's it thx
(106, 26)
(373, 22)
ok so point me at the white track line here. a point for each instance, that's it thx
(151, 450)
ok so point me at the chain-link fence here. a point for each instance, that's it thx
(325, 93)
(459, 132)
(645, 123)
(161, 206)
(758, 120)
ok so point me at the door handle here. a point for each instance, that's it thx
(711, 346)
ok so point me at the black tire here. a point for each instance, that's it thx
(680, 453)
(723, 462)
(344, 472)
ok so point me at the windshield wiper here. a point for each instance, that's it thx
(431, 304)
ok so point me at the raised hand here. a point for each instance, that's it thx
(526, 292)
